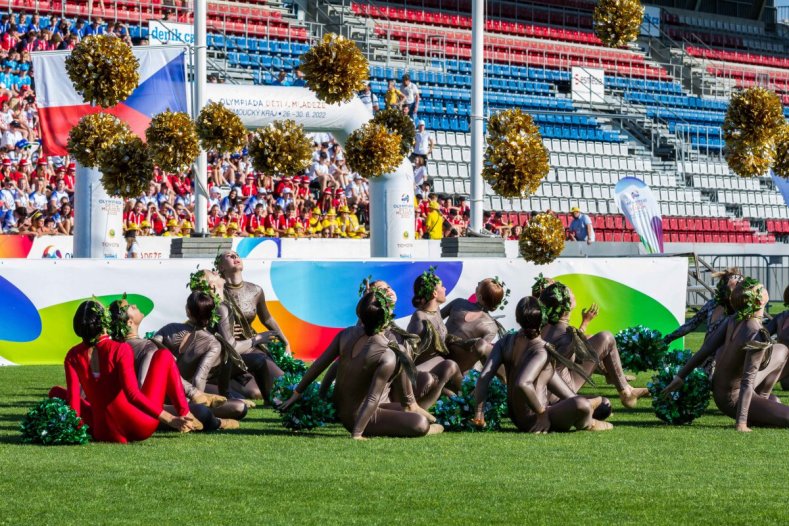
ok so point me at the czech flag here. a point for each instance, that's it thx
(162, 87)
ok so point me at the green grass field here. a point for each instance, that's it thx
(642, 472)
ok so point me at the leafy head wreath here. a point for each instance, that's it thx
(540, 284)
(430, 281)
(198, 283)
(752, 293)
(104, 316)
(388, 307)
(505, 299)
(119, 326)
(364, 286)
(722, 290)
(561, 296)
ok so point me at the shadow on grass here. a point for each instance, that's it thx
(284, 432)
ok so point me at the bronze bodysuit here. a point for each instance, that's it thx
(602, 344)
(745, 372)
(197, 352)
(143, 352)
(484, 328)
(432, 361)
(250, 302)
(366, 369)
(530, 377)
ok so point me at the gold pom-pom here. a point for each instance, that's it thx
(754, 115)
(94, 133)
(618, 22)
(172, 140)
(516, 161)
(781, 163)
(398, 122)
(372, 150)
(281, 148)
(126, 168)
(220, 129)
(750, 160)
(103, 70)
(335, 69)
(542, 239)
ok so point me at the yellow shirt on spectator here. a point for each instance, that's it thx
(434, 225)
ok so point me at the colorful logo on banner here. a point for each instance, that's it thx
(162, 87)
(639, 206)
(782, 185)
(315, 301)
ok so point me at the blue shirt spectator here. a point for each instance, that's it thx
(581, 226)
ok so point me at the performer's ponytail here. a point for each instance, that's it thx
(529, 315)
(89, 321)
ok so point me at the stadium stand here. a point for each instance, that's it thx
(660, 120)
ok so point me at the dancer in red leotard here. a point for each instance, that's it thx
(116, 409)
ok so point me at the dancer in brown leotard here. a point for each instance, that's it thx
(125, 320)
(530, 365)
(368, 364)
(598, 350)
(715, 310)
(471, 327)
(747, 365)
(246, 301)
(427, 323)
(779, 326)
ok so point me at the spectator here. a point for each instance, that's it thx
(369, 99)
(394, 97)
(281, 80)
(434, 224)
(411, 93)
(423, 142)
(298, 79)
(581, 227)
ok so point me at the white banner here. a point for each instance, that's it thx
(639, 206)
(588, 84)
(161, 32)
(261, 105)
(313, 300)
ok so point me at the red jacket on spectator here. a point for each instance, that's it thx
(277, 222)
(249, 189)
(255, 221)
(285, 182)
(7, 42)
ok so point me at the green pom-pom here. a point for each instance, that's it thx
(455, 412)
(641, 349)
(286, 362)
(687, 403)
(53, 423)
(309, 412)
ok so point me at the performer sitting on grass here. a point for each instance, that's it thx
(188, 343)
(748, 364)
(115, 408)
(368, 364)
(530, 365)
(598, 350)
(470, 326)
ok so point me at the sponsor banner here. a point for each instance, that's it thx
(313, 300)
(588, 84)
(650, 26)
(162, 86)
(161, 32)
(638, 204)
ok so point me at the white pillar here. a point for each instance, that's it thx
(200, 71)
(477, 110)
(392, 213)
(98, 218)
